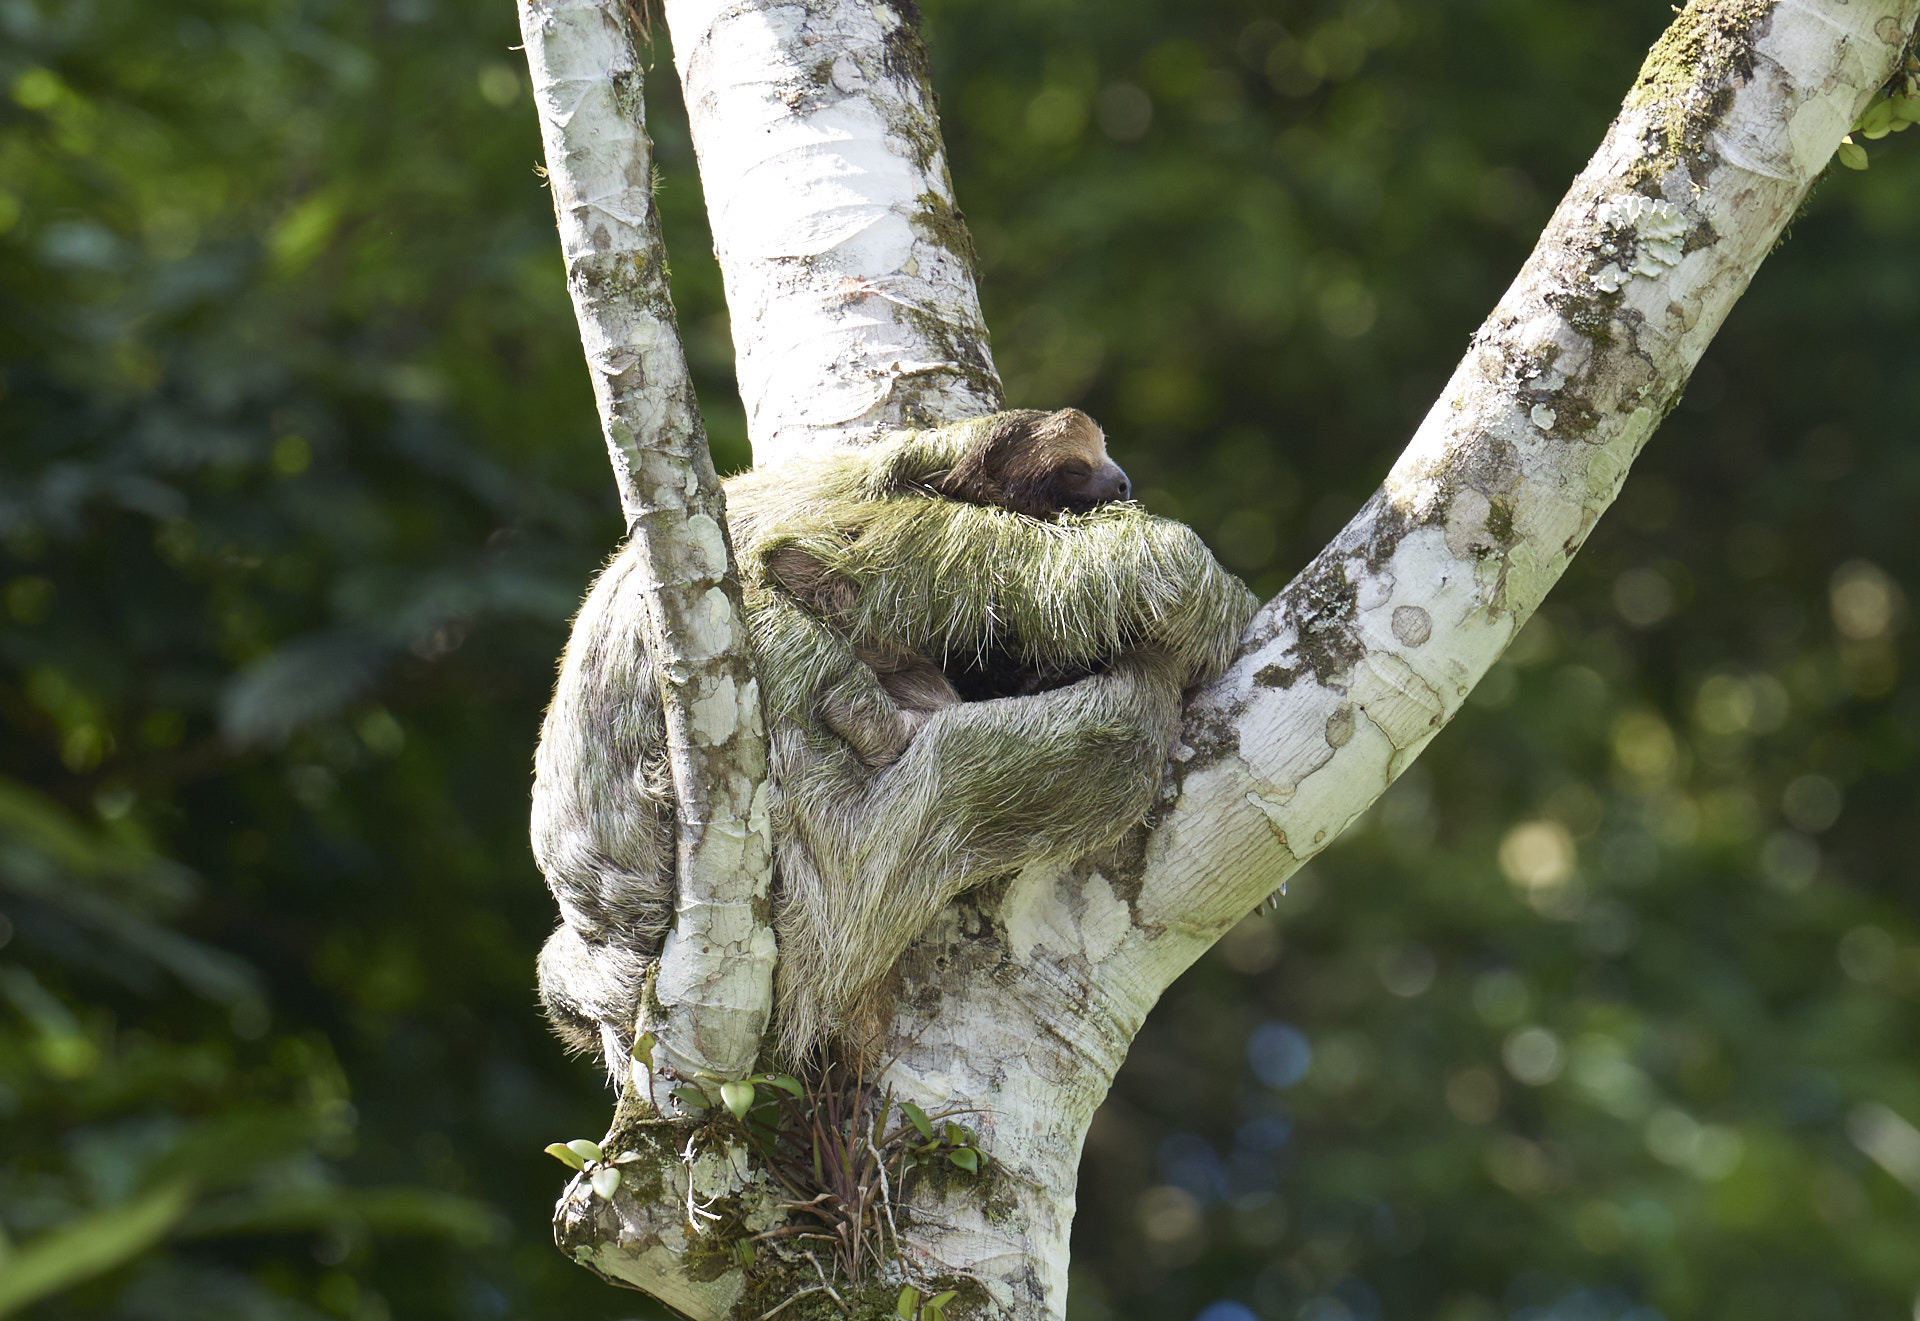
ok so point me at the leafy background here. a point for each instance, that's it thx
(1607, 1013)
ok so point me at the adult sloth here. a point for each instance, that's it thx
(985, 545)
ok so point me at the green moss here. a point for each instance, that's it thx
(1691, 74)
(629, 98)
(971, 1296)
(940, 222)
(906, 49)
(637, 1128)
(1500, 522)
(713, 1253)
(904, 57)
(921, 132)
(1577, 416)
(1278, 676)
(873, 1302)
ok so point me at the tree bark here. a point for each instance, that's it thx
(848, 268)
(814, 131)
(714, 989)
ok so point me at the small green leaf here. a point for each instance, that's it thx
(786, 1083)
(738, 1097)
(908, 1304)
(566, 1155)
(942, 1299)
(1906, 108)
(690, 1096)
(966, 1158)
(606, 1182)
(1877, 119)
(643, 1048)
(744, 1251)
(625, 1158)
(918, 1117)
(955, 1138)
(1852, 155)
(586, 1150)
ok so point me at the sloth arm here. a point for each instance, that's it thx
(984, 789)
(956, 580)
(1048, 776)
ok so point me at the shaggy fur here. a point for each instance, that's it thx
(891, 795)
(1033, 463)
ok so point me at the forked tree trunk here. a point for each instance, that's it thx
(850, 280)
(714, 987)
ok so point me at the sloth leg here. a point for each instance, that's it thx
(861, 709)
(882, 702)
(986, 788)
(602, 822)
(591, 992)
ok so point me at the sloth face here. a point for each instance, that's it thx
(1078, 484)
(1041, 465)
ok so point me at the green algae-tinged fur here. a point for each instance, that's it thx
(882, 815)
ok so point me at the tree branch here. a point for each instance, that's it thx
(1022, 999)
(1364, 657)
(1349, 672)
(714, 987)
(849, 272)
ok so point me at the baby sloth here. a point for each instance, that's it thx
(999, 552)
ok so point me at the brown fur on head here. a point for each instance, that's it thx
(1039, 464)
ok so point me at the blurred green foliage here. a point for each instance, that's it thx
(1607, 1013)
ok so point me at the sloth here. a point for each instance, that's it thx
(1040, 465)
(999, 552)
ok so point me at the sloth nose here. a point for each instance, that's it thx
(1109, 483)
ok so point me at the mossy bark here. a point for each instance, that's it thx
(848, 268)
(714, 983)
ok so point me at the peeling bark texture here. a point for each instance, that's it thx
(1022, 999)
(848, 268)
(714, 988)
